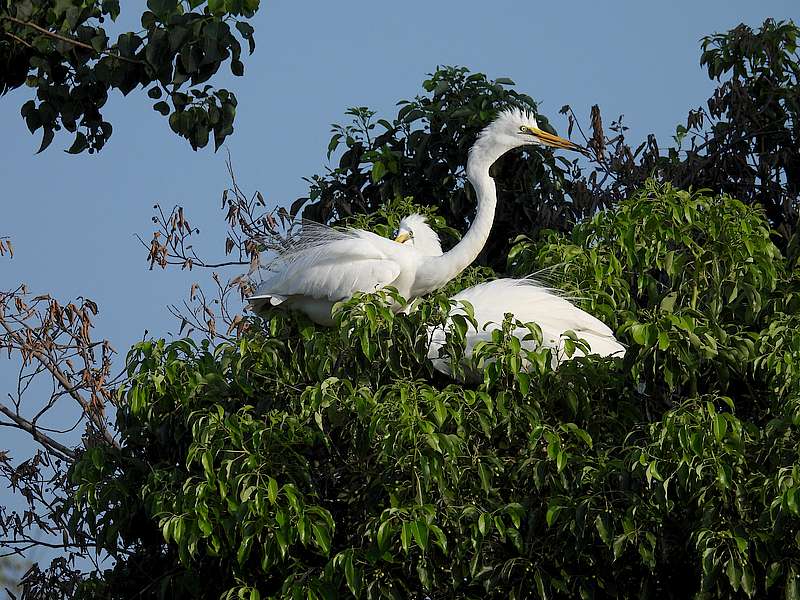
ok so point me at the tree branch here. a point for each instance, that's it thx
(29, 349)
(49, 443)
(18, 39)
(66, 384)
(62, 38)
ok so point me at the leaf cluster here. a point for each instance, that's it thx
(62, 50)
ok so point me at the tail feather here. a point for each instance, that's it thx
(261, 301)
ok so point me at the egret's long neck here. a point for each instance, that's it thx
(458, 258)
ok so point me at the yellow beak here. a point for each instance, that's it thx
(403, 237)
(555, 141)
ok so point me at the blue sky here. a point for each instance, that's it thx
(73, 218)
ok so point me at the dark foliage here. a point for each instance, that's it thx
(61, 49)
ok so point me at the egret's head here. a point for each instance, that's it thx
(514, 127)
(415, 231)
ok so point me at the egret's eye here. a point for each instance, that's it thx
(523, 129)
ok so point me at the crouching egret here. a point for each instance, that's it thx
(526, 299)
(529, 302)
(322, 266)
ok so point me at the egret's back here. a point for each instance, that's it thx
(322, 266)
(529, 302)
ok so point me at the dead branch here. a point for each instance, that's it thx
(6, 247)
(51, 338)
(251, 228)
(49, 443)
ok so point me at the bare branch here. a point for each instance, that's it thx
(252, 228)
(49, 443)
(54, 339)
(6, 247)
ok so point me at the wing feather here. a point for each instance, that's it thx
(529, 301)
(326, 263)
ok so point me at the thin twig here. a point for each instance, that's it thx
(69, 40)
(18, 39)
(49, 443)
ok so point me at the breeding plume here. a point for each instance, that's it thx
(322, 266)
(526, 299)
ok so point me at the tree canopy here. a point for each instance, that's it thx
(62, 50)
(293, 462)
(272, 458)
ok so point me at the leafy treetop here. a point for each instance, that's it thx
(296, 461)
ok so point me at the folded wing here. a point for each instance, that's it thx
(327, 264)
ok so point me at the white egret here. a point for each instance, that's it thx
(526, 299)
(322, 266)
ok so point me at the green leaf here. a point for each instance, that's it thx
(552, 514)
(208, 463)
(378, 171)
(561, 460)
(485, 475)
(243, 551)
(322, 537)
(405, 536)
(420, 530)
(734, 574)
(791, 497)
(79, 145)
(272, 490)
(483, 523)
(748, 581)
(384, 534)
(47, 138)
(619, 546)
(668, 302)
(162, 6)
(352, 575)
(166, 529)
(639, 333)
(792, 589)
(247, 493)
(216, 7)
(542, 591)
(720, 426)
(602, 529)
(441, 539)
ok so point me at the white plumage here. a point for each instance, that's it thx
(529, 302)
(322, 266)
(526, 299)
(415, 227)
